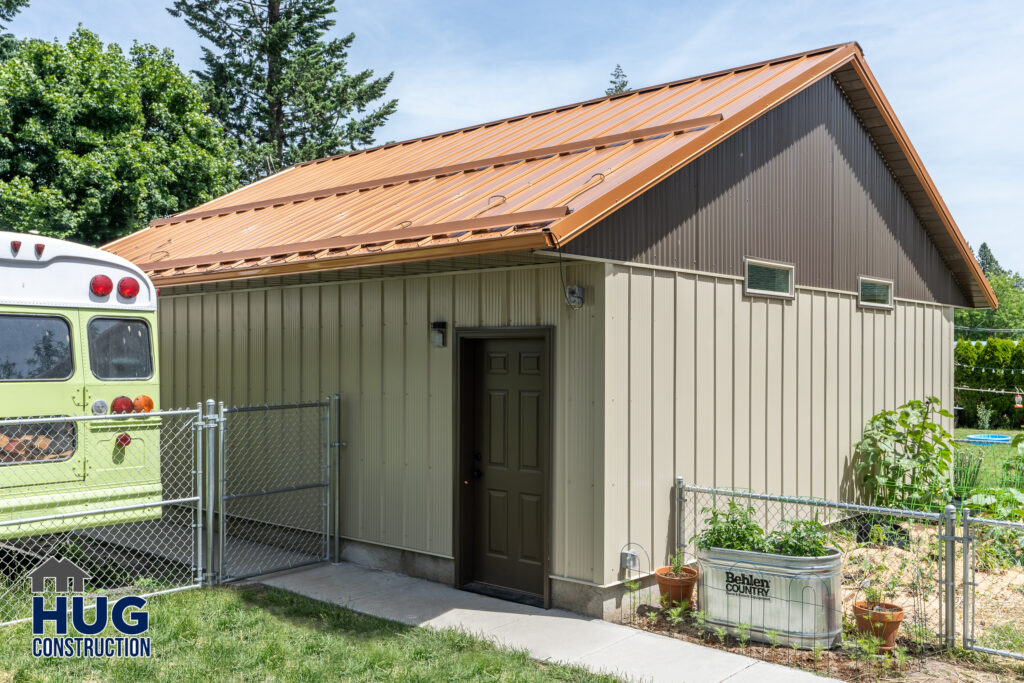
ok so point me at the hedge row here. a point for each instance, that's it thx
(992, 364)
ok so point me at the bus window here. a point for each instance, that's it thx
(36, 442)
(119, 349)
(35, 348)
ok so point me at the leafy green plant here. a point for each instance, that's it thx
(905, 456)
(700, 618)
(998, 502)
(984, 414)
(743, 634)
(735, 529)
(732, 529)
(677, 562)
(806, 538)
(674, 615)
(997, 547)
(873, 594)
(817, 651)
(773, 638)
(721, 633)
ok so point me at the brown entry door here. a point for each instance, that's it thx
(508, 466)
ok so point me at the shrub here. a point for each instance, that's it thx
(984, 414)
(905, 456)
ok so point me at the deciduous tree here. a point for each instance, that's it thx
(95, 143)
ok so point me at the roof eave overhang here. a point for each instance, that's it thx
(500, 245)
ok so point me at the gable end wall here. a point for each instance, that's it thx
(804, 185)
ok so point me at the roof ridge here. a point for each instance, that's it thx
(582, 103)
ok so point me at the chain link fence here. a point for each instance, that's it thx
(993, 571)
(897, 557)
(958, 577)
(162, 501)
(117, 495)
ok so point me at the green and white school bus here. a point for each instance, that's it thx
(77, 338)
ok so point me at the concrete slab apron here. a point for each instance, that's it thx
(553, 635)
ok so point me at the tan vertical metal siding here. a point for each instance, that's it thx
(369, 341)
(751, 392)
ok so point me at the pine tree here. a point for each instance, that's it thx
(618, 82)
(280, 87)
(987, 260)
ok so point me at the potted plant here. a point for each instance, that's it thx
(782, 587)
(878, 618)
(676, 581)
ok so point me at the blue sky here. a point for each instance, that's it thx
(952, 70)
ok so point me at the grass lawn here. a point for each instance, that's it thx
(258, 633)
(992, 456)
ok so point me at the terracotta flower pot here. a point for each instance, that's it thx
(882, 623)
(676, 588)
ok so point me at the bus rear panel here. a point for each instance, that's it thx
(77, 340)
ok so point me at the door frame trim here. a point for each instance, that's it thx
(460, 494)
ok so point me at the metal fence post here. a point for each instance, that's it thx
(949, 536)
(211, 447)
(200, 490)
(680, 522)
(337, 481)
(326, 475)
(223, 477)
(967, 583)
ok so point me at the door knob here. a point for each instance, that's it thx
(477, 474)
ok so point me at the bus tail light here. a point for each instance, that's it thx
(15, 247)
(39, 250)
(101, 285)
(128, 287)
(121, 404)
(123, 440)
(143, 404)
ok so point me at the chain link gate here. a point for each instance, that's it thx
(272, 488)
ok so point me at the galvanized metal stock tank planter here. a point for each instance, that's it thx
(782, 600)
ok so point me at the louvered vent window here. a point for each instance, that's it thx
(874, 293)
(766, 278)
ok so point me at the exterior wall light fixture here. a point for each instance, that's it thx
(439, 334)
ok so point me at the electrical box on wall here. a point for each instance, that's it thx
(574, 295)
(630, 560)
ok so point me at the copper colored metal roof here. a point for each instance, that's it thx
(526, 182)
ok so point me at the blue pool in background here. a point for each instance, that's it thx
(989, 439)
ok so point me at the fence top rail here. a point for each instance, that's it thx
(815, 502)
(95, 418)
(279, 406)
(996, 522)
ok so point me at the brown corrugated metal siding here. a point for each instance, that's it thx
(803, 184)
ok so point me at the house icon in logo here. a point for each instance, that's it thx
(66, 575)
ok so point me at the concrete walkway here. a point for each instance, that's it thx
(554, 635)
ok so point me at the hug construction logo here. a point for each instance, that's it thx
(126, 615)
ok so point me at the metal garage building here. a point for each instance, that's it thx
(537, 323)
